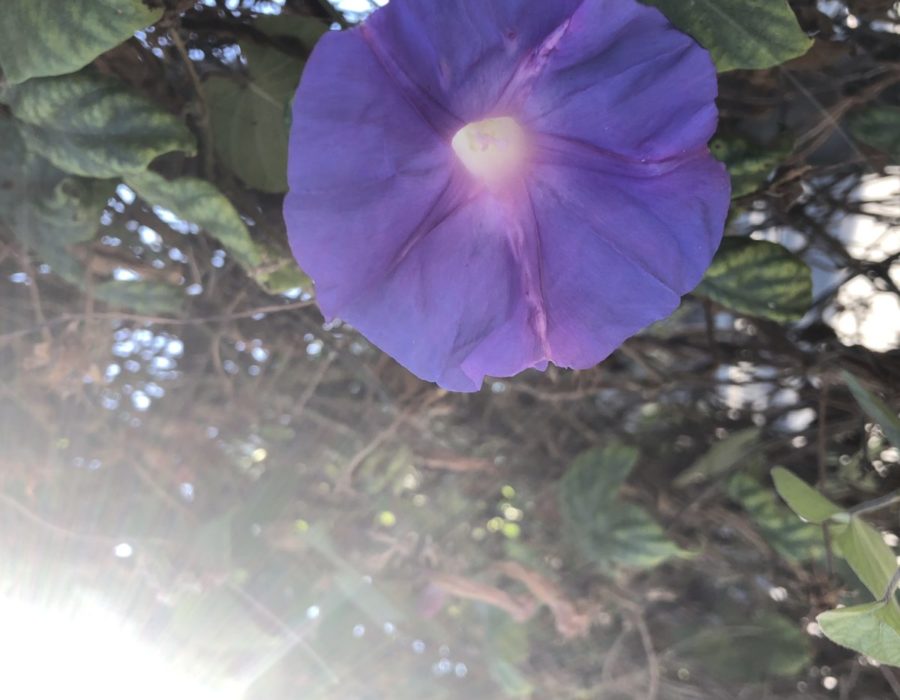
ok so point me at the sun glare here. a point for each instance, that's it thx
(85, 651)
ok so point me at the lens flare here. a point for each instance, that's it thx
(85, 651)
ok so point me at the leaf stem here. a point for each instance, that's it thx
(876, 504)
(891, 587)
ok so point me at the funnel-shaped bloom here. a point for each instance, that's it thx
(485, 186)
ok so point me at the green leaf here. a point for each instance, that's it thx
(94, 125)
(873, 630)
(250, 119)
(759, 278)
(765, 647)
(878, 127)
(740, 34)
(875, 408)
(791, 538)
(201, 203)
(803, 499)
(283, 275)
(748, 165)
(40, 38)
(867, 554)
(56, 212)
(721, 458)
(604, 528)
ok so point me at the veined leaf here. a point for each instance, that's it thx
(200, 202)
(790, 537)
(759, 278)
(94, 125)
(740, 34)
(605, 529)
(867, 554)
(873, 630)
(748, 165)
(803, 499)
(40, 38)
(875, 408)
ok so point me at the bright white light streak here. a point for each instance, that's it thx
(85, 651)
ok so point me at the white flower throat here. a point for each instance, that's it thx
(492, 149)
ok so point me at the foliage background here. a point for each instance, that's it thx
(274, 501)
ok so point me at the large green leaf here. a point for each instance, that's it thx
(720, 458)
(867, 554)
(740, 34)
(51, 212)
(250, 119)
(803, 499)
(873, 630)
(791, 538)
(94, 125)
(876, 409)
(759, 278)
(605, 529)
(748, 165)
(878, 127)
(201, 203)
(39, 38)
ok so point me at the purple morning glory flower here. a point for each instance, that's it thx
(486, 186)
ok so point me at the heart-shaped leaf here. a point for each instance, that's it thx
(759, 278)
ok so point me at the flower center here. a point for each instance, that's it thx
(493, 149)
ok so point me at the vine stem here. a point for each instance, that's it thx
(876, 504)
(891, 587)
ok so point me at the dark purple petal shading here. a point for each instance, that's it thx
(623, 79)
(459, 56)
(457, 303)
(364, 170)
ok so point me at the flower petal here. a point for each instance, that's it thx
(462, 54)
(619, 249)
(625, 80)
(456, 305)
(364, 169)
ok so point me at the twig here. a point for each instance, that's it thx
(652, 660)
(822, 437)
(891, 679)
(876, 504)
(201, 111)
(161, 320)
